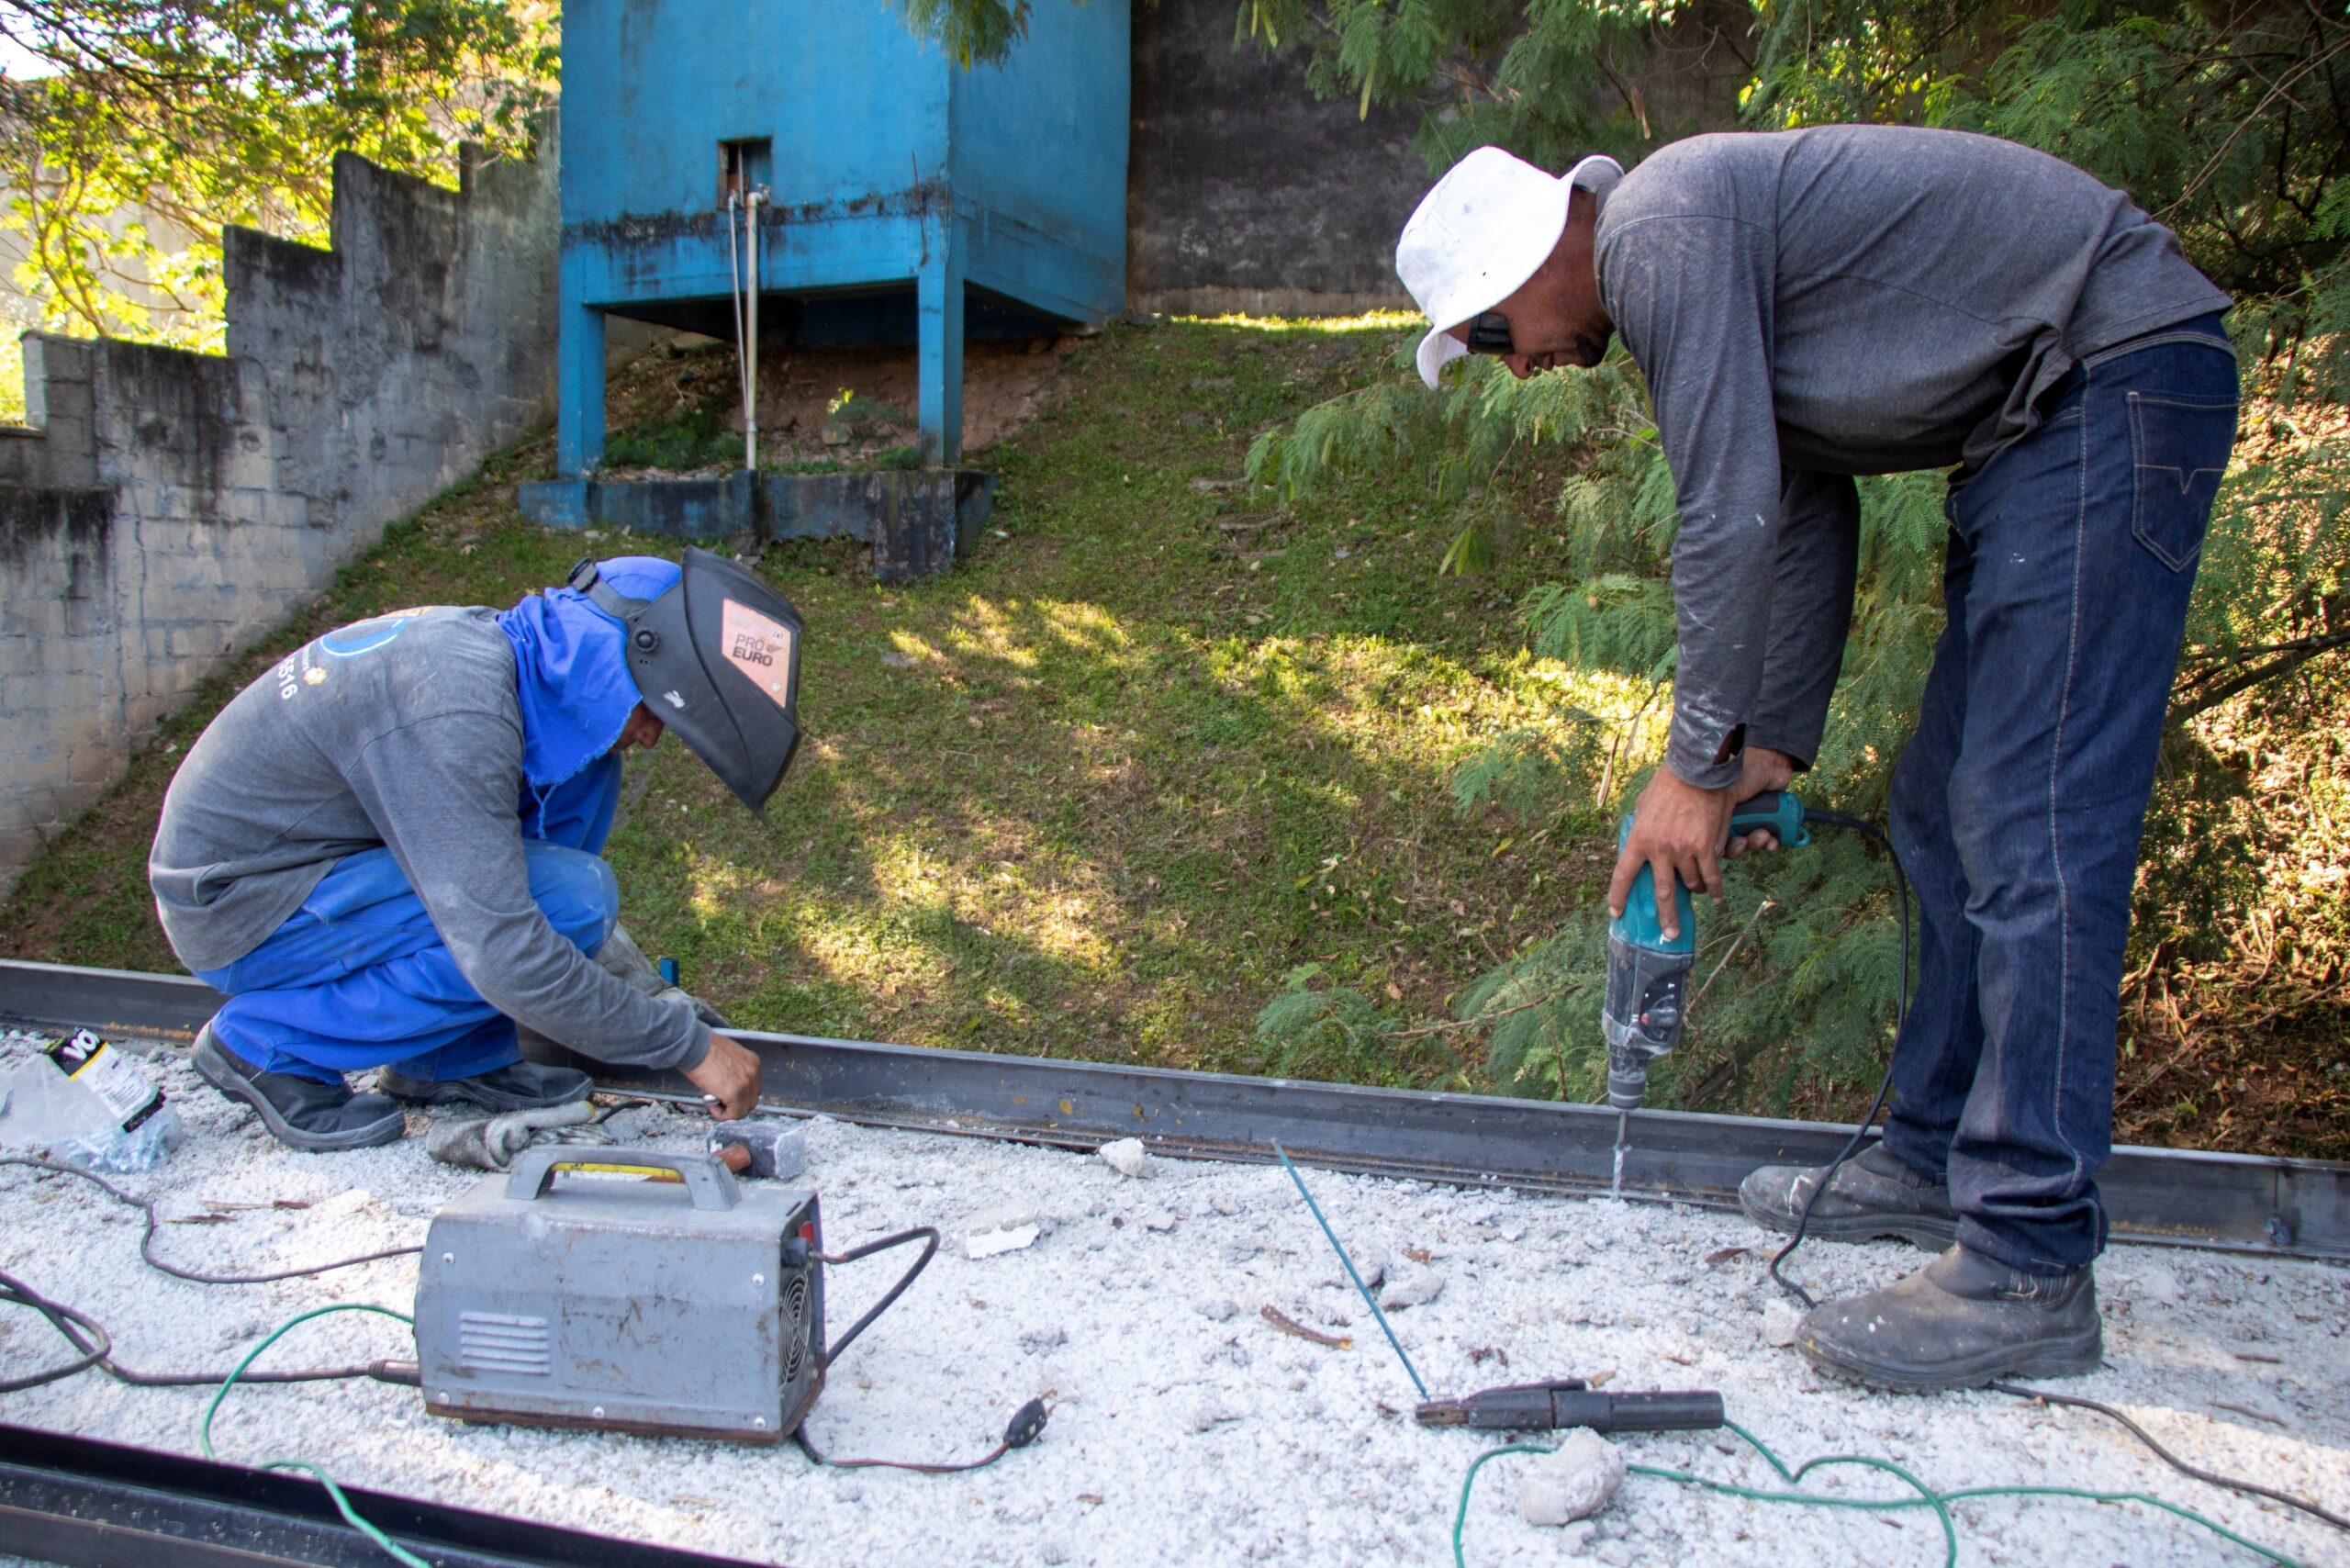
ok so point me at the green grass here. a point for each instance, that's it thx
(1095, 792)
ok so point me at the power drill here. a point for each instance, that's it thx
(1647, 976)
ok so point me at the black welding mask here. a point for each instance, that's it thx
(717, 659)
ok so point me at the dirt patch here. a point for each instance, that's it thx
(847, 404)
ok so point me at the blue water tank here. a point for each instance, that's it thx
(908, 199)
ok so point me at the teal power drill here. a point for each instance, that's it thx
(1647, 976)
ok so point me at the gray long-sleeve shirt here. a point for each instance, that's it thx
(414, 742)
(1811, 305)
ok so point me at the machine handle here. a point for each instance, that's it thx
(708, 1182)
(1697, 1410)
(1778, 814)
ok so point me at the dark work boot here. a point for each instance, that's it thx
(521, 1086)
(302, 1112)
(1874, 1194)
(1960, 1322)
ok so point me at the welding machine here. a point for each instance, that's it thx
(692, 1307)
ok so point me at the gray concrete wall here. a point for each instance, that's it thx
(163, 509)
(1245, 192)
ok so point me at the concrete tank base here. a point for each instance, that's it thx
(920, 521)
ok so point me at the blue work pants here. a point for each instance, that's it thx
(358, 977)
(2017, 807)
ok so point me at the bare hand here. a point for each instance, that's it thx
(1761, 771)
(1677, 830)
(729, 1074)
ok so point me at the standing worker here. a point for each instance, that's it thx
(385, 850)
(1808, 306)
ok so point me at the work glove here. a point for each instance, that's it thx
(491, 1143)
(621, 955)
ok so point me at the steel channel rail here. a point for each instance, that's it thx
(2246, 1202)
(86, 1503)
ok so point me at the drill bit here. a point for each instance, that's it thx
(1623, 1143)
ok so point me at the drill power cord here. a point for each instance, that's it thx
(2209, 1477)
(1926, 1497)
(1853, 1145)
(1885, 1085)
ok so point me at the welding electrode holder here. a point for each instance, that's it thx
(1571, 1402)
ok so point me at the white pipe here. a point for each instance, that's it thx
(750, 355)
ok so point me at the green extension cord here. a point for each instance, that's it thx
(343, 1504)
(1926, 1497)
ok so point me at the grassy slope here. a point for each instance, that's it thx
(1093, 794)
(1099, 790)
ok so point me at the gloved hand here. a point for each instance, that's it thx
(621, 955)
(490, 1142)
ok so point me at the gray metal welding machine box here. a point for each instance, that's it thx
(690, 1307)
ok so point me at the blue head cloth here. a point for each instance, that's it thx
(571, 669)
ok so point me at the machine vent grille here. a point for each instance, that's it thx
(795, 1330)
(497, 1341)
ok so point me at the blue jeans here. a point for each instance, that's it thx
(358, 977)
(2017, 805)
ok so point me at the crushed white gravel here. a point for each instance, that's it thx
(1186, 1427)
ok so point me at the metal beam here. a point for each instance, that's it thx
(85, 1504)
(2235, 1202)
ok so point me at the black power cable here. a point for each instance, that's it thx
(927, 1235)
(146, 1241)
(80, 1331)
(1027, 1422)
(94, 1346)
(1027, 1425)
(2209, 1477)
(1859, 1133)
(1884, 1086)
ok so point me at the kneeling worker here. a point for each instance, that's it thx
(385, 851)
(1808, 306)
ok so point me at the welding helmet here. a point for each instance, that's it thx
(717, 659)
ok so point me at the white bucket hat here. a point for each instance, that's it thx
(1479, 234)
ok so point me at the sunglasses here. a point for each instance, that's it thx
(1489, 334)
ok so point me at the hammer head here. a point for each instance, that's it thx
(760, 1149)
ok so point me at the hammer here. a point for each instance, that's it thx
(759, 1148)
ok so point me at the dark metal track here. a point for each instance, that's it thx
(2234, 1202)
(93, 1504)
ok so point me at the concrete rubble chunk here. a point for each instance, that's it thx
(2157, 1283)
(1126, 1157)
(1160, 1220)
(999, 1230)
(1214, 1411)
(1571, 1482)
(1413, 1287)
(634, 1122)
(1780, 1321)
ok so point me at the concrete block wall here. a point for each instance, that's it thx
(163, 510)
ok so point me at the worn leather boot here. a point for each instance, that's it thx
(302, 1112)
(520, 1086)
(1874, 1194)
(1961, 1321)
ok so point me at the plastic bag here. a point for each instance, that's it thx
(44, 1112)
